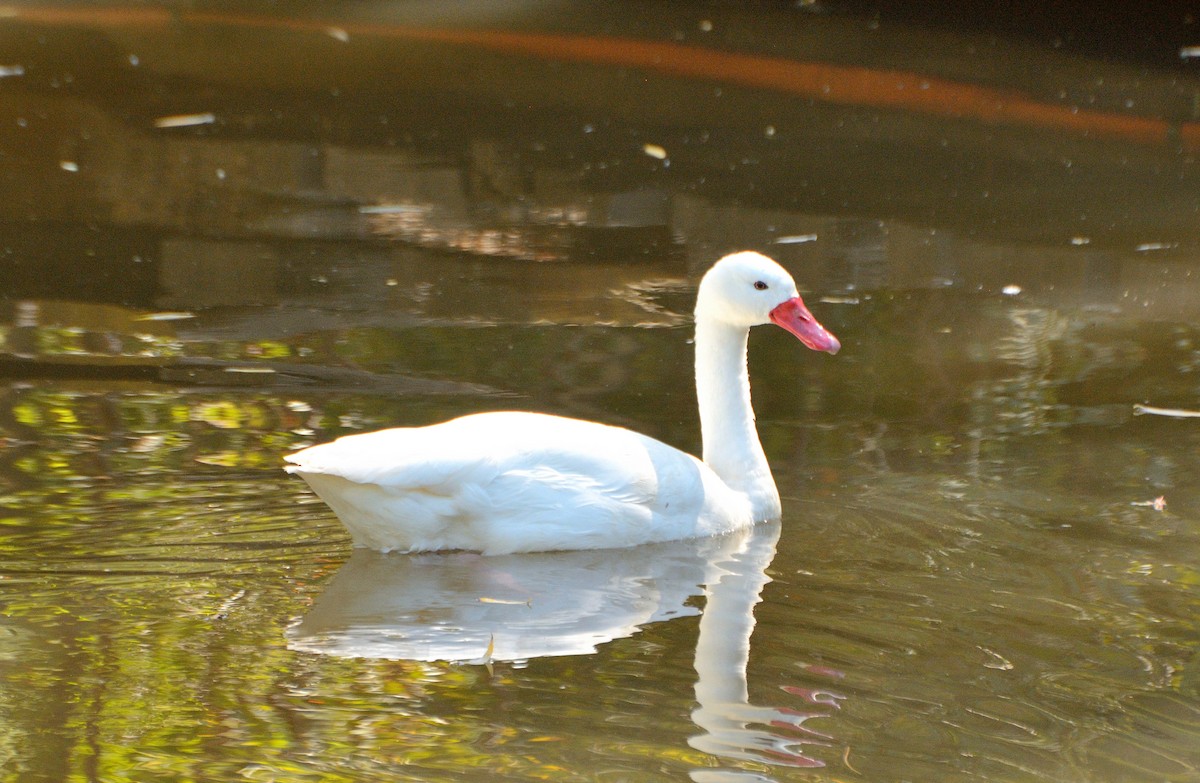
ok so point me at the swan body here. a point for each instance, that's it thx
(510, 481)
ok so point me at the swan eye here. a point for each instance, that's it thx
(761, 286)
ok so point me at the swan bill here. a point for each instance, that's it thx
(795, 317)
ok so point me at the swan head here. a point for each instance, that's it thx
(748, 289)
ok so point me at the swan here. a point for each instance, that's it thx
(507, 481)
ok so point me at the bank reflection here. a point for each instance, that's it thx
(471, 609)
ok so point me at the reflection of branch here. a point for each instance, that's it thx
(215, 373)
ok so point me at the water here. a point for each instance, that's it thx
(229, 236)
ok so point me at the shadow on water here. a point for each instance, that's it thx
(228, 233)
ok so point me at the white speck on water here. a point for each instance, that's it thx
(706, 25)
(1188, 52)
(1077, 241)
(221, 174)
(796, 239)
(338, 34)
(1010, 290)
(769, 131)
(1148, 247)
(12, 70)
(68, 165)
(134, 60)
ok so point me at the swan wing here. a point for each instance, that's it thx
(513, 482)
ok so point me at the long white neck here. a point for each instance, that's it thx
(731, 445)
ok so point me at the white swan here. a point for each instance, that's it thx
(508, 482)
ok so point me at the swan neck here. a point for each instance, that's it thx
(731, 445)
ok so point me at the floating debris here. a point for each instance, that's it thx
(338, 34)
(655, 151)
(224, 459)
(1078, 241)
(11, 70)
(389, 209)
(1152, 246)
(1158, 504)
(1011, 290)
(997, 660)
(486, 658)
(227, 606)
(1176, 413)
(165, 316)
(505, 602)
(251, 370)
(68, 165)
(185, 120)
(796, 239)
(147, 444)
(850, 300)
(846, 761)
(1188, 52)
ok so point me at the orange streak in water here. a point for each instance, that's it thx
(90, 17)
(841, 84)
(838, 84)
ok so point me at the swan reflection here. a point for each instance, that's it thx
(470, 608)
(452, 607)
(724, 711)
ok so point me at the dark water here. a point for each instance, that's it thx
(227, 235)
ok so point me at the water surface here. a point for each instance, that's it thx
(228, 236)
